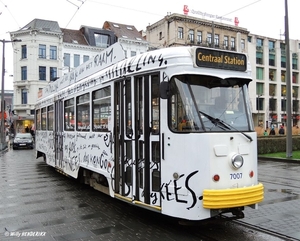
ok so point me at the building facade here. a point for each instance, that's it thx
(267, 58)
(268, 91)
(131, 40)
(47, 52)
(179, 30)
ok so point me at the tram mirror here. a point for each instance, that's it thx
(164, 90)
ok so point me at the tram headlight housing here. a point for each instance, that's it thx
(237, 161)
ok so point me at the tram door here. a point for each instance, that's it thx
(58, 133)
(137, 166)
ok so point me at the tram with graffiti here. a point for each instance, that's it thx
(169, 130)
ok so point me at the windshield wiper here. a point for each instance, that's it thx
(216, 121)
(223, 125)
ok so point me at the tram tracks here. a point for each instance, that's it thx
(265, 231)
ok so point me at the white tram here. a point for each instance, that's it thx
(169, 130)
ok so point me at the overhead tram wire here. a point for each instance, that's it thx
(126, 8)
(10, 14)
(82, 2)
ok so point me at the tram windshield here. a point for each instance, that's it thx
(209, 104)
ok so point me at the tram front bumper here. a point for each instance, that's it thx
(230, 198)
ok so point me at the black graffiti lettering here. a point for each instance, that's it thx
(130, 65)
(160, 191)
(95, 146)
(104, 58)
(124, 68)
(86, 159)
(176, 189)
(72, 147)
(191, 190)
(116, 70)
(89, 66)
(103, 162)
(161, 60)
(108, 140)
(137, 64)
(151, 59)
(145, 60)
(168, 194)
(165, 77)
(155, 198)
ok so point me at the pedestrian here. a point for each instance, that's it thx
(272, 131)
(265, 133)
(281, 130)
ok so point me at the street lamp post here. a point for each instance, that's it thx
(3, 143)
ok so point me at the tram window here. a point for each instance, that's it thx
(128, 114)
(38, 120)
(155, 103)
(50, 118)
(44, 118)
(204, 103)
(69, 115)
(155, 152)
(101, 109)
(83, 112)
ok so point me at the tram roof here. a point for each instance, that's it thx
(113, 58)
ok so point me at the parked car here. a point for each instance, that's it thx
(23, 140)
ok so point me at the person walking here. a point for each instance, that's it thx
(281, 130)
(272, 131)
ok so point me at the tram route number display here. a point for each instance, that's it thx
(210, 58)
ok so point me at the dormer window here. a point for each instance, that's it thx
(139, 39)
(74, 41)
(116, 25)
(124, 36)
(129, 28)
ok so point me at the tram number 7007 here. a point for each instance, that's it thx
(236, 175)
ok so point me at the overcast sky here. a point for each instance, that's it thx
(262, 17)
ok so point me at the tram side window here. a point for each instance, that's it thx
(50, 118)
(44, 118)
(69, 115)
(101, 109)
(83, 112)
(155, 104)
(38, 120)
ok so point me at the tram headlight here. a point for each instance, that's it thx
(237, 161)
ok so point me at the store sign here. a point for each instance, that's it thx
(186, 11)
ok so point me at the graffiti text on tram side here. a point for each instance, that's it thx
(170, 192)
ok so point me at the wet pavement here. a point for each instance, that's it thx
(37, 203)
(280, 210)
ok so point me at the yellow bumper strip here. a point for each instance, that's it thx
(229, 198)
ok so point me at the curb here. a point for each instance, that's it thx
(286, 160)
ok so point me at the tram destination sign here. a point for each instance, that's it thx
(212, 58)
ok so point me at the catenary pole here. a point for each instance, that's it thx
(289, 138)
